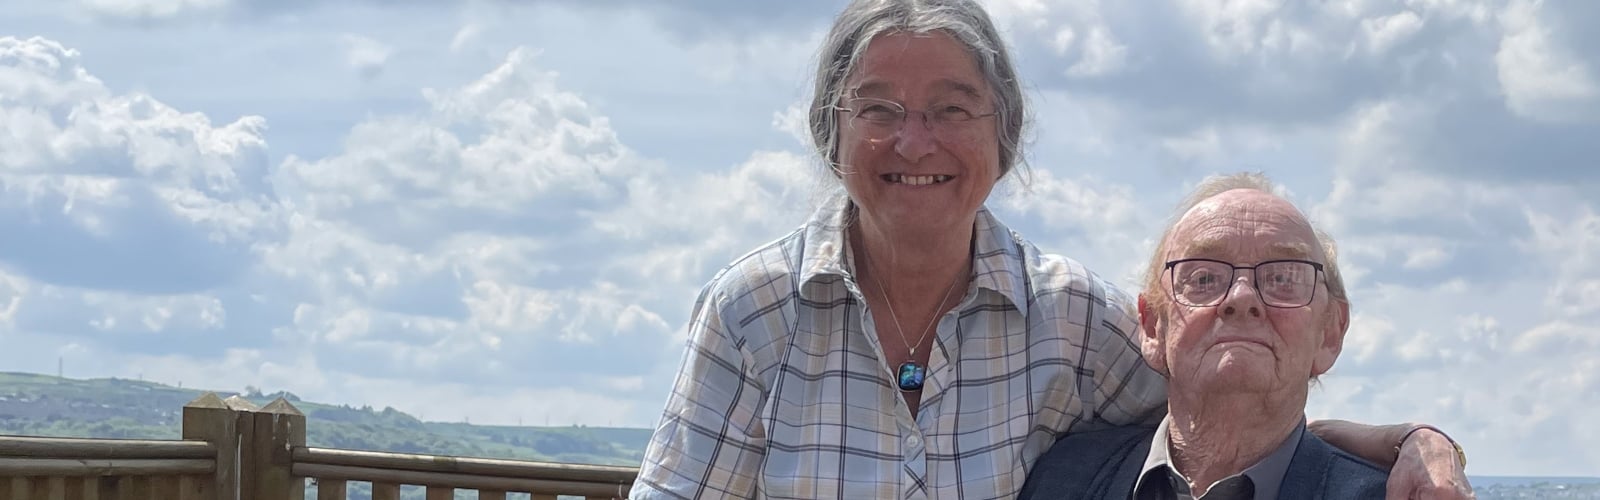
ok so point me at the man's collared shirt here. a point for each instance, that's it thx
(1160, 480)
(784, 392)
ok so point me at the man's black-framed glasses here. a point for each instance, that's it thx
(1284, 283)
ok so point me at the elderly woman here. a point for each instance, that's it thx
(903, 343)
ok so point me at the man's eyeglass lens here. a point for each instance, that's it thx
(1204, 283)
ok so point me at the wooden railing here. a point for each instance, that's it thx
(52, 468)
(233, 450)
(443, 475)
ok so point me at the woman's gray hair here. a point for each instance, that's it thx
(963, 20)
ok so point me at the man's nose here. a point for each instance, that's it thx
(1242, 298)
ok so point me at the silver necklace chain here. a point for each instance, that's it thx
(884, 292)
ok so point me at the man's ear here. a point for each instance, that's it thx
(1151, 343)
(1333, 330)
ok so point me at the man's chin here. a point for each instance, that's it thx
(1233, 375)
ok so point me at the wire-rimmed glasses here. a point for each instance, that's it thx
(878, 119)
(1284, 283)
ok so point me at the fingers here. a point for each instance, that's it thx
(1398, 488)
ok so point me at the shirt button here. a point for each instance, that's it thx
(913, 442)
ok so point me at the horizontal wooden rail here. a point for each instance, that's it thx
(42, 447)
(105, 488)
(234, 450)
(104, 467)
(459, 480)
(463, 465)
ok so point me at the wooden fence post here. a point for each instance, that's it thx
(243, 428)
(277, 429)
(209, 419)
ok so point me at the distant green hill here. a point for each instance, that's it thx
(42, 405)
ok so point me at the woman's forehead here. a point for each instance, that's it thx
(878, 86)
(926, 62)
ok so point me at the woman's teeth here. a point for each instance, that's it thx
(916, 180)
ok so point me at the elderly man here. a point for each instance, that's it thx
(1243, 307)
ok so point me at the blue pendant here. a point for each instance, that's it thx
(911, 376)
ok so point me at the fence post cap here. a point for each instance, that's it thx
(238, 403)
(207, 400)
(281, 406)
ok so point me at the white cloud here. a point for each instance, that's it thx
(12, 290)
(1088, 219)
(1479, 12)
(470, 204)
(1420, 353)
(1063, 40)
(151, 9)
(1571, 245)
(1425, 258)
(506, 148)
(585, 315)
(1542, 80)
(469, 285)
(794, 120)
(767, 57)
(365, 55)
(62, 120)
(506, 227)
(1093, 206)
(156, 313)
(757, 201)
(1497, 389)
(1556, 339)
(1199, 145)
(1384, 175)
(1102, 55)
(465, 36)
(1383, 33)
(1025, 14)
(496, 306)
(133, 212)
(1233, 28)
(334, 326)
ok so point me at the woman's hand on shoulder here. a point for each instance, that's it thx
(1428, 468)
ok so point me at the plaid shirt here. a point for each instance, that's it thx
(784, 393)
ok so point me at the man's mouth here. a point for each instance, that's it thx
(1241, 340)
(916, 180)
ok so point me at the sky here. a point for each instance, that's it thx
(501, 211)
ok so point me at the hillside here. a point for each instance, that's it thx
(42, 405)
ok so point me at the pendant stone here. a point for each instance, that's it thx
(911, 376)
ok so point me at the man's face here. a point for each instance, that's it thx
(1241, 344)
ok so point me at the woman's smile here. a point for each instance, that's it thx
(916, 180)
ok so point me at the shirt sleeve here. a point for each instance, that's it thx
(710, 442)
(1126, 390)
